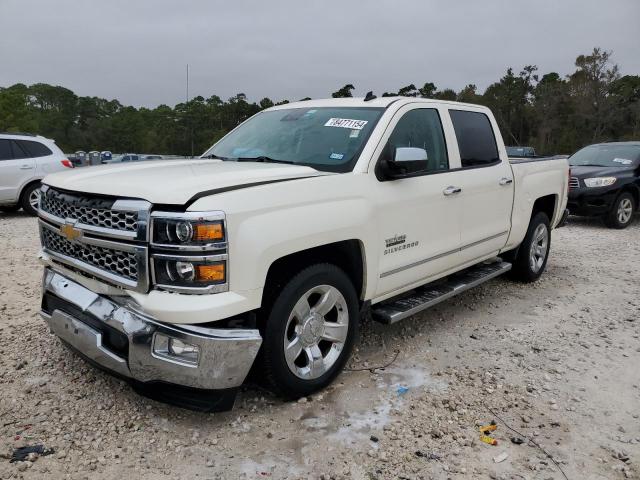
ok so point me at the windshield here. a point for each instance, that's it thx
(328, 139)
(606, 156)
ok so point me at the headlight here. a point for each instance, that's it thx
(599, 181)
(189, 273)
(182, 231)
(189, 252)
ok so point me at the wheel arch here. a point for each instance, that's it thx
(349, 255)
(546, 204)
(634, 190)
(24, 187)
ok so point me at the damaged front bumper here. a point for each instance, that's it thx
(204, 372)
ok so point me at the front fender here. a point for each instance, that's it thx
(258, 241)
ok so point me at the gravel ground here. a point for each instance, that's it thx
(557, 360)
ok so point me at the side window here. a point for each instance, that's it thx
(476, 140)
(5, 150)
(421, 128)
(34, 149)
(18, 151)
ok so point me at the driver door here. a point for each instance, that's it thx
(418, 216)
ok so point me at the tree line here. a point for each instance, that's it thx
(553, 113)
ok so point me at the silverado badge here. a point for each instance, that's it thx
(70, 232)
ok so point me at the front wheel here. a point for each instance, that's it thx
(621, 214)
(310, 330)
(533, 253)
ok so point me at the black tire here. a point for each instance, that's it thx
(618, 219)
(9, 208)
(27, 195)
(525, 269)
(276, 329)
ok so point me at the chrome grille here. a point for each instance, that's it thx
(574, 182)
(57, 206)
(118, 262)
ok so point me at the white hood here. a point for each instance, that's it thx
(172, 181)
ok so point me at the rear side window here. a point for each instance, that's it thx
(34, 149)
(18, 151)
(476, 141)
(5, 150)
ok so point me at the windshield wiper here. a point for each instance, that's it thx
(263, 159)
(214, 156)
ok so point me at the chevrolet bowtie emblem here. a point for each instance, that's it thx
(70, 232)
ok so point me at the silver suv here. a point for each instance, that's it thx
(25, 160)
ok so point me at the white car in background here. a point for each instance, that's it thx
(25, 160)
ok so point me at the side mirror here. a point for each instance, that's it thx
(406, 161)
(410, 154)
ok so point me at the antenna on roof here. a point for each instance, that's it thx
(369, 96)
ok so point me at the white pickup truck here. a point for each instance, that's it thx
(181, 276)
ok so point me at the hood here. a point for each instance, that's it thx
(173, 181)
(584, 171)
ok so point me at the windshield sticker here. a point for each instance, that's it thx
(293, 116)
(346, 123)
(354, 134)
(623, 161)
(336, 156)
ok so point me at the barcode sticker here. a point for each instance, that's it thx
(346, 123)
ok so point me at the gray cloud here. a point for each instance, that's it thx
(136, 50)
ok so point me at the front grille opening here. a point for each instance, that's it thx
(117, 262)
(112, 339)
(78, 208)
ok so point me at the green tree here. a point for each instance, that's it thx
(428, 90)
(344, 92)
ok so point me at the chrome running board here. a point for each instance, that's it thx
(408, 304)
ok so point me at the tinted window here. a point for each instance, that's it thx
(476, 141)
(607, 155)
(34, 149)
(324, 138)
(18, 151)
(421, 128)
(5, 150)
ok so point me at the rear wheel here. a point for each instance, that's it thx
(31, 198)
(621, 214)
(533, 253)
(310, 330)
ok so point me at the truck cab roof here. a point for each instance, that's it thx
(380, 102)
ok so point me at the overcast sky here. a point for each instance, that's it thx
(136, 50)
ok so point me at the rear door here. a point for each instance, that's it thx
(486, 181)
(16, 169)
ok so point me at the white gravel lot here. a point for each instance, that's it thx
(559, 361)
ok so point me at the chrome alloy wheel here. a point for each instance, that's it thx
(34, 198)
(539, 247)
(316, 332)
(625, 210)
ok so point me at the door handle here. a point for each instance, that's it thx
(26, 167)
(451, 190)
(505, 181)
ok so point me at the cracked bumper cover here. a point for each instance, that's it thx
(224, 357)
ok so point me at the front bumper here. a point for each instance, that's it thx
(587, 201)
(121, 339)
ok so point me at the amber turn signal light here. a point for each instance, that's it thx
(204, 232)
(210, 273)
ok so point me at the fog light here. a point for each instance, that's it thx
(181, 349)
(174, 349)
